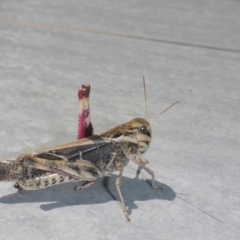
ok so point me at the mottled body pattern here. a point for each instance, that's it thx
(85, 159)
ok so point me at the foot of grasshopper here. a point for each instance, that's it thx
(85, 185)
(142, 164)
(18, 186)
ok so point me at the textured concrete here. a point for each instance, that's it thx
(46, 56)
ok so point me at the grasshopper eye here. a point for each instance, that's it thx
(143, 129)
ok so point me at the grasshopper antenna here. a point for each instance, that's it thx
(155, 119)
(145, 96)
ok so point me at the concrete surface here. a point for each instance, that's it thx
(187, 51)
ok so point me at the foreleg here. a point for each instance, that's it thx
(142, 163)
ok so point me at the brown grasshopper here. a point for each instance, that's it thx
(85, 159)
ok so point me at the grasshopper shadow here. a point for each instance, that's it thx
(103, 191)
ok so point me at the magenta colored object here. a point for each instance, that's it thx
(85, 128)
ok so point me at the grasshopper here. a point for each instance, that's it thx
(85, 159)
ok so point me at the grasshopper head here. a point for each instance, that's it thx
(142, 132)
(134, 133)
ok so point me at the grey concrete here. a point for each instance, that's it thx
(195, 148)
(207, 23)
